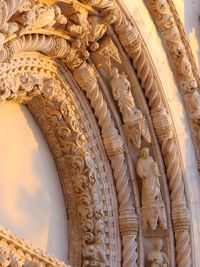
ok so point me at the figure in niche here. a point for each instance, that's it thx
(157, 257)
(153, 209)
(133, 119)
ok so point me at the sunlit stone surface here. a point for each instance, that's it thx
(32, 204)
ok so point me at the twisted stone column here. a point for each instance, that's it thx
(86, 79)
(129, 37)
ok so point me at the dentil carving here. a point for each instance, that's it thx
(153, 209)
(133, 119)
(157, 257)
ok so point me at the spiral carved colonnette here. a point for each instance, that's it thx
(48, 45)
(129, 251)
(130, 40)
(87, 81)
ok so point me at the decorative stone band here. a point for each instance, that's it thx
(86, 79)
(184, 39)
(162, 124)
(15, 252)
(181, 219)
(132, 43)
(184, 71)
(128, 222)
(48, 45)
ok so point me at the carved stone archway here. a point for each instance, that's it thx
(66, 62)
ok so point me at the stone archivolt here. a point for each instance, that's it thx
(183, 63)
(67, 34)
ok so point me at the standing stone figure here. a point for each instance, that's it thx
(133, 119)
(153, 209)
(157, 257)
(121, 89)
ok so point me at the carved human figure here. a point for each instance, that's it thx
(135, 123)
(90, 28)
(152, 203)
(42, 15)
(94, 256)
(121, 90)
(99, 24)
(195, 106)
(157, 257)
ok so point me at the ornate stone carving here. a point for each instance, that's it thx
(157, 257)
(94, 257)
(15, 252)
(41, 16)
(85, 77)
(80, 167)
(134, 122)
(153, 209)
(104, 55)
(7, 9)
(166, 24)
(87, 31)
(130, 39)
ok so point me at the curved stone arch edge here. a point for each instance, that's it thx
(35, 105)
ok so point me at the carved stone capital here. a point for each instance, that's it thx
(128, 222)
(162, 124)
(181, 218)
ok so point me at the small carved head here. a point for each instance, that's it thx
(114, 72)
(195, 99)
(89, 252)
(110, 16)
(158, 244)
(144, 152)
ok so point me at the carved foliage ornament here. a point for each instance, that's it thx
(80, 167)
(185, 72)
(90, 29)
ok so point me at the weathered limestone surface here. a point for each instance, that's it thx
(111, 108)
